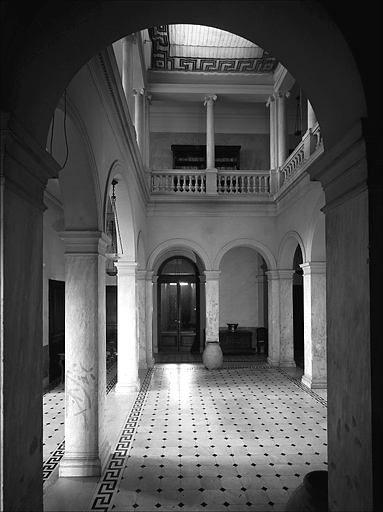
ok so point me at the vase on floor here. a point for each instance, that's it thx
(311, 495)
(212, 356)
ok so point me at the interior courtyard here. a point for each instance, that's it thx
(177, 174)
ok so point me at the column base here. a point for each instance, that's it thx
(312, 383)
(128, 387)
(74, 465)
(272, 362)
(142, 365)
(150, 362)
(287, 364)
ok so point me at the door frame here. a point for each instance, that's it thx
(168, 278)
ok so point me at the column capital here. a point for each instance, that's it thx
(131, 38)
(313, 267)
(84, 243)
(210, 99)
(126, 268)
(272, 275)
(212, 275)
(283, 94)
(270, 100)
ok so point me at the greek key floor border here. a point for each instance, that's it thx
(51, 464)
(110, 481)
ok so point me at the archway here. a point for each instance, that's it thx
(52, 61)
(178, 306)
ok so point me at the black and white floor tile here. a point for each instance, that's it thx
(239, 438)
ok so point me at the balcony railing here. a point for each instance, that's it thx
(245, 182)
(309, 144)
(227, 182)
(250, 183)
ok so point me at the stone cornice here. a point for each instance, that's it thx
(342, 170)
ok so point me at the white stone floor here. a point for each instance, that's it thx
(239, 438)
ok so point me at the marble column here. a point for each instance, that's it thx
(127, 348)
(286, 356)
(86, 447)
(311, 117)
(273, 132)
(149, 319)
(139, 118)
(155, 316)
(148, 102)
(314, 306)
(283, 134)
(274, 318)
(141, 318)
(127, 70)
(212, 305)
(211, 171)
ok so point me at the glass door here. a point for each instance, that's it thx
(178, 315)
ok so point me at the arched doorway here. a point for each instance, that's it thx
(178, 306)
(298, 331)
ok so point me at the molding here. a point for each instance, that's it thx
(107, 78)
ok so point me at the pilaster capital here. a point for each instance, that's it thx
(141, 275)
(286, 273)
(313, 267)
(84, 243)
(149, 275)
(212, 275)
(210, 99)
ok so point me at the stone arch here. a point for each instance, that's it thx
(62, 45)
(179, 247)
(124, 210)
(287, 250)
(252, 244)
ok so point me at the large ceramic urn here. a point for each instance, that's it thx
(212, 356)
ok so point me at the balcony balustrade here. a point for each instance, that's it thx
(230, 182)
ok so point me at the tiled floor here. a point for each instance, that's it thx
(239, 438)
